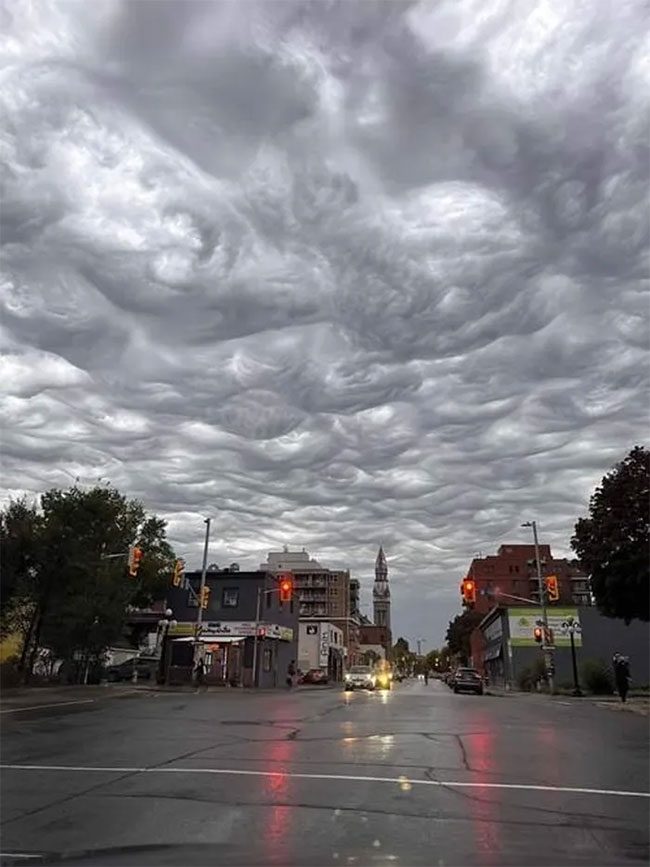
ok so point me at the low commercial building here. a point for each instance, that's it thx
(376, 639)
(240, 604)
(320, 645)
(504, 646)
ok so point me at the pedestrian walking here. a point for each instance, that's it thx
(621, 665)
(291, 673)
(199, 672)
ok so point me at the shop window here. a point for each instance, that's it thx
(230, 597)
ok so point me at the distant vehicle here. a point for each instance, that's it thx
(467, 680)
(360, 677)
(315, 675)
(144, 666)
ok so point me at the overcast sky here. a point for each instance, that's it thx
(332, 273)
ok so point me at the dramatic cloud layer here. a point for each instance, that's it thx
(331, 272)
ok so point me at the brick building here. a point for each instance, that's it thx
(511, 572)
(329, 595)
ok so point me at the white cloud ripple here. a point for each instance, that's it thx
(330, 272)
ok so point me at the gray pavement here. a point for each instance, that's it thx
(417, 776)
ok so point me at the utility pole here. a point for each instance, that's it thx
(199, 616)
(548, 655)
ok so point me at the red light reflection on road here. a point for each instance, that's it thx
(484, 810)
(276, 823)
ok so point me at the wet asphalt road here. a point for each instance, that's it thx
(417, 776)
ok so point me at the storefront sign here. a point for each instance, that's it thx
(522, 622)
(232, 628)
(182, 629)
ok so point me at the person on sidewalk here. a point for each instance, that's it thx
(291, 673)
(621, 665)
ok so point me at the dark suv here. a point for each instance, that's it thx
(467, 680)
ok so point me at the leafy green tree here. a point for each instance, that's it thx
(459, 631)
(72, 567)
(613, 542)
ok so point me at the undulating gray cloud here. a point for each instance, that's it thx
(333, 273)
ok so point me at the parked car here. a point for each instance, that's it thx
(144, 665)
(467, 680)
(360, 677)
(315, 676)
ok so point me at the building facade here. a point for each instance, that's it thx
(511, 572)
(228, 646)
(503, 646)
(323, 594)
(320, 645)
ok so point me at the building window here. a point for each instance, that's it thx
(230, 597)
(192, 599)
(268, 600)
(266, 664)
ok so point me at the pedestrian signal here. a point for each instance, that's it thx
(205, 597)
(538, 634)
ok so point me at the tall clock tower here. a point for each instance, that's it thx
(381, 592)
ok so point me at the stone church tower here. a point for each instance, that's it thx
(381, 592)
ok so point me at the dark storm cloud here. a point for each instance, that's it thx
(334, 273)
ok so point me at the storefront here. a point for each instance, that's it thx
(227, 651)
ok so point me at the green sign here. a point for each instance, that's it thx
(522, 623)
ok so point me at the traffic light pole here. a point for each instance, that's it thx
(199, 615)
(548, 656)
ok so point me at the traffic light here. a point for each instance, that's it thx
(552, 588)
(468, 591)
(538, 634)
(177, 574)
(135, 555)
(286, 589)
(205, 597)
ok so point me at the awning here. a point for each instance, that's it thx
(211, 639)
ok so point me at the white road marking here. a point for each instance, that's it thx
(42, 706)
(241, 772)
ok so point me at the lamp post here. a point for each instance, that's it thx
(548, 656)
(165, 623)
(572, 626)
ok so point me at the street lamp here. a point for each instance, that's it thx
(572, 626)
(165, 623)
(548, 657)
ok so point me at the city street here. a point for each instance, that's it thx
(415, 776)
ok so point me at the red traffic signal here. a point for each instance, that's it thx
(286, 589)
(468, 591)
(538, 634)
(135, 555)
(552, 588)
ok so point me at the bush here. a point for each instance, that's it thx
(597, 677)
(528, 677)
